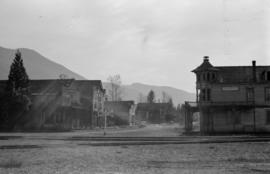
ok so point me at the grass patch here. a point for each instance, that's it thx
(12, 163)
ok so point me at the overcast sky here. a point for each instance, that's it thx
(150, 41)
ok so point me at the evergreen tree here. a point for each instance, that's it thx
(15, 102)
(17, 79)
(151, 97)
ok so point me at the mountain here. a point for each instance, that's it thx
(133, 92)
(37, 66)
(40, 67)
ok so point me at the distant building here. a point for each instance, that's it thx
(124, 110)
(152, 112)
(64, 104)
(231, 99)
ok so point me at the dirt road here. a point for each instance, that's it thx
(61, 153)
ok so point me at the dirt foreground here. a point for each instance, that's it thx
(37, 153)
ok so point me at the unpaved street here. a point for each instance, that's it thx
(73, 153)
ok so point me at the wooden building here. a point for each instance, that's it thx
(233, 99)
(152, 112)
(64, 104)
(124, 110)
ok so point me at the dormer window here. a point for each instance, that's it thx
(206, 71)
(206, 76)
(265, 76)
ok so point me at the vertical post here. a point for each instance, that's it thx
(197, 97)
(254, 102)
(105, 123)
(254, 116)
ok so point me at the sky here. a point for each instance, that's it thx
(156, 42)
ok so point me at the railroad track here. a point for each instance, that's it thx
(121, 141)
(118, 141)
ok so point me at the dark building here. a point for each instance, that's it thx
(232, 99)
(65, 104)
(124, 110)
(152, 112)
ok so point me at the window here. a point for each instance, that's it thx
(267, 94)
(206, 94)
(237, 116)
(250, 94)
(204, 76)
(208, 76)
(213, 76)
(267, 116)
(198, 78)
(203, 95)
(268, 76)
(263, 76)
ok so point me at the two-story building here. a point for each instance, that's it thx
(64, 104)
(233, 99)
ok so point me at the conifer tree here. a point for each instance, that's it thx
(17, 79)
(15, 101)
(151, 97)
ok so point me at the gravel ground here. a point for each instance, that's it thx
(67, 157)
(62, 157)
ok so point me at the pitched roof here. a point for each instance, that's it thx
(240, 74)
(206, 65)
(233, 74)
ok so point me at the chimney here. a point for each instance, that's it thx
(254, 71)
(205, 59)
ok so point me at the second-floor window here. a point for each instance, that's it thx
(206, 94)
(267, 94)
(250, 94)
(267, 116)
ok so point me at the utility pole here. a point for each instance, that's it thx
(254, 115)
(105, 122)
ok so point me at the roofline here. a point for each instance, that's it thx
(245, 66)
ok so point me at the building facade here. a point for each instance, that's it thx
(152, 112)
(233, 99)
(64, 104)
(124, 110)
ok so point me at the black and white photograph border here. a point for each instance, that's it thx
(125, 87)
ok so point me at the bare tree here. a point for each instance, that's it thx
(165, 97)
(114, 91)
(141, 98)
